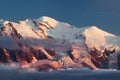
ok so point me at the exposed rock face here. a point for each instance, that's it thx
(29, 55)
(55, 65)
(46, 53)
(4, 56)
(67, 62)
(107, 59)
(43, 65)
(97, 58)
(25, 54)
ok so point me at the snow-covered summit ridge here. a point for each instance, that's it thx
(50, 21)
(44, 27)
(95, 37)
(95, 30)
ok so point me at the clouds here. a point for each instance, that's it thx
(9, 73)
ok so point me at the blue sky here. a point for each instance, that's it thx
(103, 13)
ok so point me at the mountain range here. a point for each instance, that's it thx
(46, 43)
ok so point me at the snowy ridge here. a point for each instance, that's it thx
(50, 21)
(96, 37)
(48, 27)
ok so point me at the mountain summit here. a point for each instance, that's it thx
(31, 41)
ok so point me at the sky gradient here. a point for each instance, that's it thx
(103, 13)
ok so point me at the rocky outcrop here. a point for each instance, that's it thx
(46, 53)
(31, 55)
(43, 65)
(4, 55)
(43, 58)
(67, 62)
(27, 54)
(14, 32)
(101, 59)
(97, 58)
(82, 58)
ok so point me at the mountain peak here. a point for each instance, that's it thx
(94, 27)
(52, 22)
(96, 30)
(96, 37)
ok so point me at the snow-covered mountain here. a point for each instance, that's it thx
(48, 35)
(45, 27)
